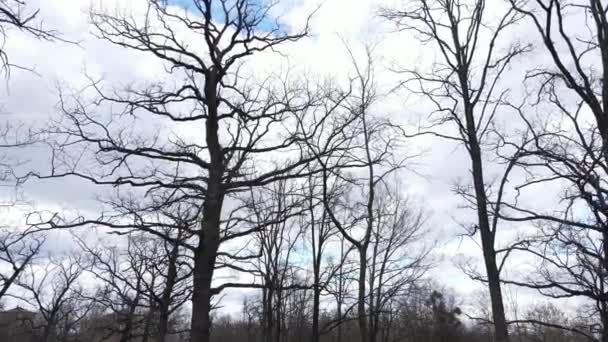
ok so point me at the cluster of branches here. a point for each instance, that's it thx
(17, 15)
(222, 179)
(557, 140)
(274, 163)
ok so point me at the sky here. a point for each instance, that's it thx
(33, 97)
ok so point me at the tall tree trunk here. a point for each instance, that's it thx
(147, 326)
(163, 310)
(315, 309)
(201, 297)
(209, 237)
(362, 318)
(316, 295)
(268, 326)
(603, 305)
(204, 266)
(501, 331)
(375, 290)
(340, 290)
(278, 326)
(128, 329)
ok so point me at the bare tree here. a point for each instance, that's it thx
(364, 143)
(339, 286)
(277, 244)
(464, 85)
(320, 232)
(140, 286)
(575, 56)
(564, 148)
(54, 290)
(276, 212)
(325, 266)
(17, 251)
(398, 258)
(249, 137)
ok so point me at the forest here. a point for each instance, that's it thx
(247, 172)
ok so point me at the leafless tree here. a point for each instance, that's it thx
(563, 146)
(551, 318)
(276, 213)
(320, 232)
(362, 161)
(398, 258)
(54, 290)
(464, 86)
(140, 286)
(277, 243)
(328, 268)
(17, 251)
(576, 57)
(339, 287)
(250, 136)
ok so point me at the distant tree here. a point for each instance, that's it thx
(140, 286)
(398, 258)
(53, 289)
(320, 232)
(361, 165)
(277, 243)
(464, 87)
(17, 252)
(446, 325)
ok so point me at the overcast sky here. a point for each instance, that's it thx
(32, 97)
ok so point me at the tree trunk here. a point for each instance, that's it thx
(361, 296)
(147, 326)
(501, 331)
(604, 319)
(268, 326)
(315, 310)
(201, 296)
(340, 291)
(278, 326)
(48, 333)
(204, 266)
(603, 306)
(163, 323)
(209, 238)
(316, 296)
(128, 329)
(163, 310)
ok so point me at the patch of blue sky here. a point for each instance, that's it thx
(270, 22)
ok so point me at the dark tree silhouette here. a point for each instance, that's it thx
(249, 136)
(464, 86)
